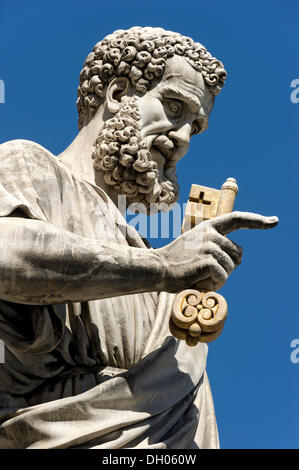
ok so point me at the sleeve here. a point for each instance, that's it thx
(30, 332)
(24, 166)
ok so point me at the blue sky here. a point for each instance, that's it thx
(253, 136)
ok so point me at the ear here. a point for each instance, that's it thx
(117, 88)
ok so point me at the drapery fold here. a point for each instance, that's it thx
(98, 374)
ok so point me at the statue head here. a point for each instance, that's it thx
(156, 89)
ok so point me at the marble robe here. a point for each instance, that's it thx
(103, 374)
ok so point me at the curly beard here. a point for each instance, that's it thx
(127, 164)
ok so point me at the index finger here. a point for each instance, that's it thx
(228, 223)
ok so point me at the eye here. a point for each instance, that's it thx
(173, 107)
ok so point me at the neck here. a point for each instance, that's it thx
(77, 156)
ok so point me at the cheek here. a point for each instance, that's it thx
(153, 118)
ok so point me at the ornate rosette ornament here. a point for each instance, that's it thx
(198, 316)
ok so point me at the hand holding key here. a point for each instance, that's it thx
(203, 258)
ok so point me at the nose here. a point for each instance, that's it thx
(181, 135)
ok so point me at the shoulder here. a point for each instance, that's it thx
(24, 157)
(21, 145)
(30, 177)
(24, 149)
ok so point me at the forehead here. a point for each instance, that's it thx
(181, 78)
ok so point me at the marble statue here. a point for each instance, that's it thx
(85, 301)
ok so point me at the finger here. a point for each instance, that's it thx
(205, 285)
(221, 257)
(214, 276)
(234, 250)
(211, 274)
(227, 223)
(217, 273)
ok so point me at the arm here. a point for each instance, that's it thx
(43, 264)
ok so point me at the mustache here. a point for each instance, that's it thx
(164, 145)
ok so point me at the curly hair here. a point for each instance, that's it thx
(140, 54)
